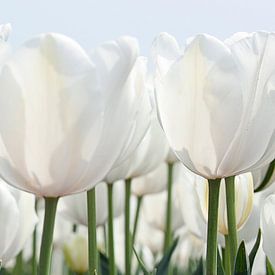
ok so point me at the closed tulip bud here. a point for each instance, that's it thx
(76, 252)
(193, 194)
(216, 101)
(243, 201)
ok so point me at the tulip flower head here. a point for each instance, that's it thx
(216, 101)
(62, 116)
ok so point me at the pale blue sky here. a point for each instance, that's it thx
(92, 22)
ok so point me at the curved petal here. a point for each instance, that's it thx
(203, 88)
(49, 96)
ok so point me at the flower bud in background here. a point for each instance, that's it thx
(243, 201)
(189, 249)
(18, 220)
(171, 157)
(76, 252)
(193, 191)
(154, 209)
(151, 183)
(74, 207)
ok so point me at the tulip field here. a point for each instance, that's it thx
(117, 163)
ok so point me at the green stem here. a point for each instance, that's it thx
(139, 202)
(231, 219)
(111, 251)
(128, 245)
(227, 257)
(18, 269)
(93, 257)
(168, 226)
(34, 262)
(47, 236)
(212, 229)
(105, 239)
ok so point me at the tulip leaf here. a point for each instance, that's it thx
(220, 269)
(163, 265)
(242, 263)
(268, 175)
(254, 250)
(141, 263)
(269, 268)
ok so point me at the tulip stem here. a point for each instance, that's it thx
(227, 259)
(18, 268)
(139, 202)
(168, 226)
(231, 219)
(111, 251)
(212, 228)
(34, 262)
(93, 257)
(128, 245)
(47, 236)
(34, 243)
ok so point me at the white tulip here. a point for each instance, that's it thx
(18, 219)
(74, 207)
(150, 153)
(216, 101)
(189, 248)
(154, 210)
(68, 128)
(193, 191)
(76, 252)
(151, 183)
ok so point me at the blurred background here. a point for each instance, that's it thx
(92, 22)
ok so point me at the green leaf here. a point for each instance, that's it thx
(268, 175)
(141, 263)
(242, 262)
(163, 265)
(199, 269)
(254, 250)
(269, 267)
(220, 269)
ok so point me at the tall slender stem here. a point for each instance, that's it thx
(34, 262)
(93, 257)
(139, 202)
(47, 236)
(168, 226)
(213, 204)
(111, 251)
(227, 258)
(18, 269)
(34, 243)
(128, 243)
(231, 218)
